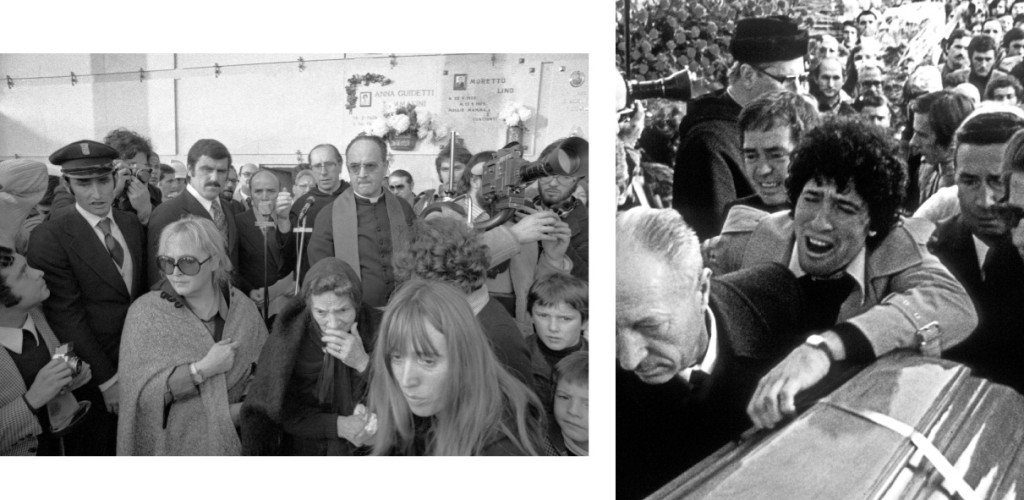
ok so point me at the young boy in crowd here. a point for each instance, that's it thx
(557, 304)
(569, 430)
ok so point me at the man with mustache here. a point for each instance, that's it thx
(976, 246)
(208, 162)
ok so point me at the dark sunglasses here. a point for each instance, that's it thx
(800, 79)
(188, 264)
(395, 187)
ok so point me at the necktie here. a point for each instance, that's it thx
(219, 220)
(115, 249)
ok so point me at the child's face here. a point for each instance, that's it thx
(559, 327)
(572, 411)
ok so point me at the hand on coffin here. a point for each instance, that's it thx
(774, 398)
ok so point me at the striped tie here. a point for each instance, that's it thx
(115, 249)
(219, 220)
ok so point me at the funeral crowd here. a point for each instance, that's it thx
(210, 308)
(796, 222)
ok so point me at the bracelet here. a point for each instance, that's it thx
(197, 374)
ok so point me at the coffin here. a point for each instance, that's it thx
(835, 451)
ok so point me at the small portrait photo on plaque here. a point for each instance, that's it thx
(460, 82)
(365, 99)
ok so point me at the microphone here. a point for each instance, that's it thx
(306, 207)
(264, 209)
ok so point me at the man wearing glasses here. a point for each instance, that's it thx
(556, 193)
(769, 55)
(93, 261)
(981, 53)
(400, 183)
(325, 162)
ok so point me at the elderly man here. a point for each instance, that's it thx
(94, 263)
(208, 164)
(326, 163)
(691, 349)
(769, 55)
(977, 247)
(270, 211)
(982, 55)
(245, 172)
(828, 88)
(876, 286)
(365, 224)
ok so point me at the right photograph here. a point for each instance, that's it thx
(819, 273)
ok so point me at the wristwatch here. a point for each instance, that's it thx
(197, 374)
(818, 342)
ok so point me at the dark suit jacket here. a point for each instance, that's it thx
(662, 430)
(996, 346)
(176, 208)
(88, 299)
(280, 260)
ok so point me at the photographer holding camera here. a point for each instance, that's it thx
(30, 376)
(132, 191)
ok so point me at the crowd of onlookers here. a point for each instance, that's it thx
(799, 222)
(201, 307)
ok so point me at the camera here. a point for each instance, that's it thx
(677, 86)
(66, 353)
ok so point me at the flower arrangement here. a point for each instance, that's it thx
(364, 79)
(408, 124)
(515, 113)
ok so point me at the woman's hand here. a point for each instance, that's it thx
(347, 347)
(359, 428)
(219, 359)
(51, 378)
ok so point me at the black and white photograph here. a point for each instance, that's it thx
(819, 244)
(339, 256)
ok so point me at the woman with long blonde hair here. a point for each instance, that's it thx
(437, 387)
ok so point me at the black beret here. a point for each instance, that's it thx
(85, 159)
(768, 39)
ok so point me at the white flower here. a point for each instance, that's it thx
(440, 131)
(525, 113)
(399, 122)
(389, 108)
(423, 117)
(423, 132)
(379, 127)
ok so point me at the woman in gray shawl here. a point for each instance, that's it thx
(187, 351)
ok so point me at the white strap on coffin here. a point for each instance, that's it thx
(951, 476)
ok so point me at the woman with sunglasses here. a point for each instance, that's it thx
(436, 387)
(187, 351)
(305, 397)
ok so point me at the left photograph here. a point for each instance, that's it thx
(294, 254)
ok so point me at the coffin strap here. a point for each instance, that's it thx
(951, 476)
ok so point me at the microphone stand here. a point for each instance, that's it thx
(298, 258)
